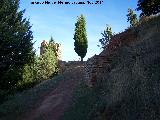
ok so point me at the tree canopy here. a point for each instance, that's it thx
(48, 63)
(106, 37)
(148, 7)
(80, 37)
(132, 17)
(16, 46)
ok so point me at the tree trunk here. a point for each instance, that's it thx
(81, 59)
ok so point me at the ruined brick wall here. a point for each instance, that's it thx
(130, 90)
(43, 45)
(67, 66)
(59, 53)
(90, 70)
(97, 65)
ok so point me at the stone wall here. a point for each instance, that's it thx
(129, 69)
(66, 66)
(97, 65)
(42, 48)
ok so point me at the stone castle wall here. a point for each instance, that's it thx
(97, 65)
(67, 66)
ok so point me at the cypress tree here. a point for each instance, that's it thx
(80, 37)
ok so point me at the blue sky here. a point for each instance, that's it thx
(59, 21)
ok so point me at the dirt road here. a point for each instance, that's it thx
(53, 105)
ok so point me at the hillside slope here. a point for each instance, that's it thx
(133, 83)
(125, 78)
(46, 101)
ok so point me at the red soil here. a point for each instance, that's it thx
(53, 105)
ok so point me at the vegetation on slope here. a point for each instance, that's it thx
(51, 91)
(20, 68)
(26, 100)
(131, 89)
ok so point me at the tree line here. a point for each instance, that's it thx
(20, 67)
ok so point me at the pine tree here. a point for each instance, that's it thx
(106, 37)
(48, 64)
(148, 7)
(29, 75)
(132, 17)
(80, 37)
(16, 47)
(54, 46)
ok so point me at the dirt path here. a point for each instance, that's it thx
(53, 105)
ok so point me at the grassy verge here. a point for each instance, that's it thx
(86, 104)
(22, 102)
